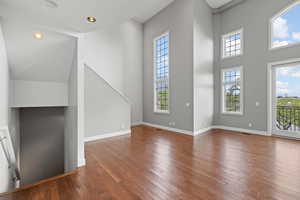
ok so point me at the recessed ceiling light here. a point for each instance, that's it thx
(91, 19)
(38, 36)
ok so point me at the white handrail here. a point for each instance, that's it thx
(7, 156)
(7, 147)
(116, 90)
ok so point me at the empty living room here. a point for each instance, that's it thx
(150, 100)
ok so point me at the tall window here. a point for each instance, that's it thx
(285, 27)
(232, 44)
(232, 90)
(161, 74)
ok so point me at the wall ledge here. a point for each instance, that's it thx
(205, 130)
(107, 135)
(242, 130)
(186, 132)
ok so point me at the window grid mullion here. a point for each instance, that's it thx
(162, 73)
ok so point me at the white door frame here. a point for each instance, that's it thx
(271, 90)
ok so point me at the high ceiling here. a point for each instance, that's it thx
(217, 3)
(50, 59)
(71, 15)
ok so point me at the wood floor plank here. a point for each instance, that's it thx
(161, 165)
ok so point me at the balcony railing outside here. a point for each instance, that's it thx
(288, 118)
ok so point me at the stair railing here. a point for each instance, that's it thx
(7, 147)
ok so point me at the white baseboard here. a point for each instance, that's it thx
(81, 162)
(256, 132)
(107, 135)
(169, 128)
(136, 123)
(202, 131)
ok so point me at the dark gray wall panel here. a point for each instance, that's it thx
(42, 143)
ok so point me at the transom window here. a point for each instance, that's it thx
(285, 27)
(161, 74)
(232, 44)
(232, 98)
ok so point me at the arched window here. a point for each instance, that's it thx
(285, 27)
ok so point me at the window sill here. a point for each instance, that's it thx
(162, 112)
(228, 57)
(232, 113)
(284, 47)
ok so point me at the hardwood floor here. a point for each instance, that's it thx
(161, 165)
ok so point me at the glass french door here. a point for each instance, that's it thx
(286, 100)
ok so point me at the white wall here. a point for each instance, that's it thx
(103, 52)
(203, 66)
(132, 33)
(116, 55)
(5, 175)
(71, 119)
(4, 82)
(38, 94)
(80, 104)
(106, 110)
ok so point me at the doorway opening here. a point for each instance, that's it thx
(285, 99)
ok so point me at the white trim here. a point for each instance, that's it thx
(202, 131)
(169, 129)
(270, 88)
(107, 135)
(121, 94)
(4, 133)
(137, 123)
(241, 31)
(186, 132)
(270, 98)
(241, 113)
(81, 162)
(280, 13)
(155, 110)
(205, 130)
(164, 112)
(255, 132)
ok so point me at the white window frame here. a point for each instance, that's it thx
(280, 13)
(241, 31)
(155, 109)
(241, 92)
(272, 91)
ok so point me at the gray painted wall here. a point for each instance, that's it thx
(253, 16)
(132, 34)
(42, 143)
(178, 19)
(203, 66)
(106, 111)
